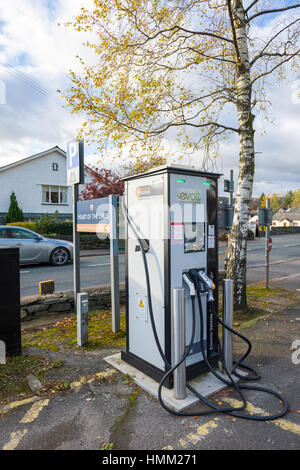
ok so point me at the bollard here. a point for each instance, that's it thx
(228, 320)
(179, 342)
(82, 307)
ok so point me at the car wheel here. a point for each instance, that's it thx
(60, 256)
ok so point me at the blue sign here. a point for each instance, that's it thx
(93, 216)
(75, 162)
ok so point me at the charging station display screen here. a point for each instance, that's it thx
(194, 237)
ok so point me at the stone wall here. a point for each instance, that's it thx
(279, 231)
(63, 302)
(37, 306)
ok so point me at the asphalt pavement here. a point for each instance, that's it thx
(115, 412)
(95, 269)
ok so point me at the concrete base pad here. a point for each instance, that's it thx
(206, 385)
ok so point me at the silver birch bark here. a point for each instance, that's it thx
(237, 263)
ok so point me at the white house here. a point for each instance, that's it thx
(287, 217)
(40, 185)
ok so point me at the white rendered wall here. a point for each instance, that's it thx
(26, 181)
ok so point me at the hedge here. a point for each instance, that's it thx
(28, 225)
(51, 227)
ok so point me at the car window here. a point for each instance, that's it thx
(22, 234)
(3, 233)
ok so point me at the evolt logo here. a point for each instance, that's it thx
(296, 354)
(2, 352)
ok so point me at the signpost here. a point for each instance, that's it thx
(265, 216)
(100, 216)
(114, 263)
(229, 188)
(75, 176)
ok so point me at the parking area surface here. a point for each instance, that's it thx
(110, 411)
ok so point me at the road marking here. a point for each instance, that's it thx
(15, 439)
(282, 423)
(199, 435)
(24, 272)
(34, 411)
(284, 277)
(202, 431)
(16, 404)
(274, 262)
(93, 265)
(76, 386)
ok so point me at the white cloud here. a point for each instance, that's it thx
(30, 122)
(39, 50)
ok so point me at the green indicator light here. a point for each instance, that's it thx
(207, 183)
(180, 181)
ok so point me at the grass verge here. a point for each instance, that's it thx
(262, 301)
(64, 334)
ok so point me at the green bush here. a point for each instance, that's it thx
(250, 235)
(48, 224)
(15, 214)
(29, 225)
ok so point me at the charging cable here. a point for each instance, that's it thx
(193, 277)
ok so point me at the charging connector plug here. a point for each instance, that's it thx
(189, 282)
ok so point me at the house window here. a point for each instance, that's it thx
(63, 195)
(54, 194)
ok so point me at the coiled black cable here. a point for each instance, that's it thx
(235, 412)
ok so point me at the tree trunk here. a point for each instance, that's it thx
(237, 262)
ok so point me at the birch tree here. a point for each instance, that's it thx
(191, 71)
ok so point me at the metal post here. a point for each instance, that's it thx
(114, 263)
(82, 319)
(267, 253)
(76, 247)
(228, 320)
(179, 342)
(231, 188)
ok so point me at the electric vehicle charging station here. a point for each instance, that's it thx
(171, 249)
(174, 212)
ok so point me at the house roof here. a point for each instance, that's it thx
(291, 214)
(33, 157)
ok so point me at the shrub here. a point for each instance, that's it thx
(250, 235)
(29, 225)
(15, 214)
(48, 224)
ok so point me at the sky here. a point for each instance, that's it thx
(35, 57)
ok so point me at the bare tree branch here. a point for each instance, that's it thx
(251, 5)
(275, 10)
(261, 53)
(268, 72)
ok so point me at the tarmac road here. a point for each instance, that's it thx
(95, 270)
